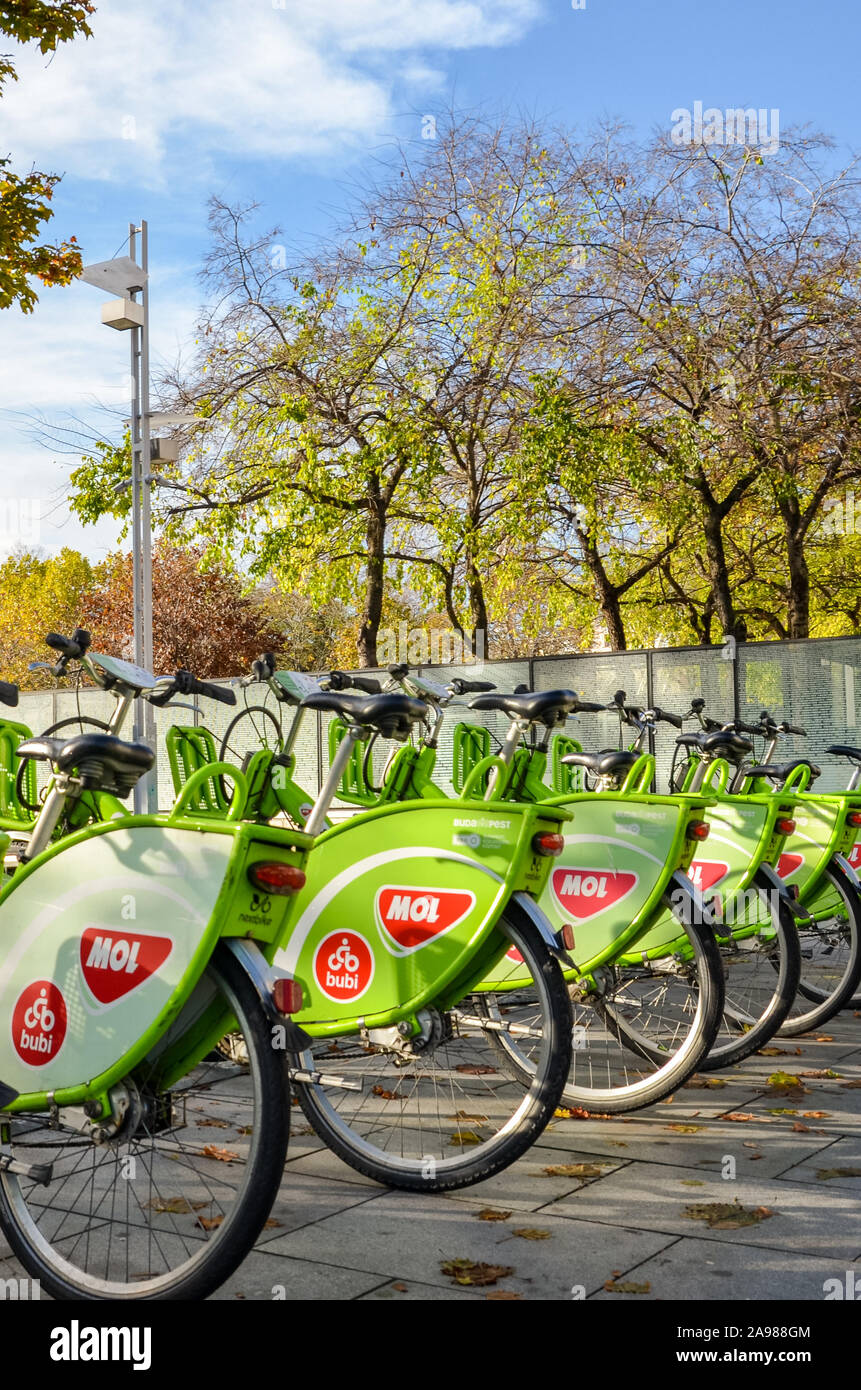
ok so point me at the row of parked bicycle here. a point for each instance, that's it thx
(431, 978)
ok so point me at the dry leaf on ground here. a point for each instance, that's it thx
(474, 1273)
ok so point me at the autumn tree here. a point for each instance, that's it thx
(201, 619)
(38, 594)
(25, 198)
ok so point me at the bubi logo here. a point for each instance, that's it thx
(586, 892)
(705, 873)
(788, 864)
(116, 962)
(39, 1023)
(411, 917)
(343, 966)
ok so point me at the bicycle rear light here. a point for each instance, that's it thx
(565, 937)
(276, 878)
(287, 995)
(854, 818)
(697, 830)
(784, 825)
(548, 844)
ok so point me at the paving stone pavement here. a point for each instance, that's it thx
(791, 1160)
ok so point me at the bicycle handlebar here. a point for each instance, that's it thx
(339, 680)
(72, 647)
(461, 687)
(184, 683)
(8, 693)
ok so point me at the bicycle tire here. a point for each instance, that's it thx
(534, 1098)
(824, 1003)
(221, 1244)
(229, 754)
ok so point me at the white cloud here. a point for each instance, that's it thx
(165, 86)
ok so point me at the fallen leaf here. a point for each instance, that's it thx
(577, 1112)
(214, 1124)
(531, 1233)
(706, 1083)
(727, 1216)
(463, 1116)
(576, 1170)
(692, 1182)
(383, 1093)
(210, 1223)
(612, 1286)
(751, 1143)
(399, 1288)
(816, 1114)
(475, 1273)
(852, 1085)
(178, 1206)
(799, 1128)
(685, 1129)
(222, 1155)
(500, 1294)
(739, 1117)
(824, 1037)
(473, 1069)
(782, 1110)
(826, 1173)
(772, 1052)
(249, 1129)
(785, 1081)
(492, 1214)
(464, 1137)
(272, 1224)
(827, 1074)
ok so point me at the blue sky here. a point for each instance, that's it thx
(284, 102)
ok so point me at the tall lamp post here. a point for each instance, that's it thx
(126, 280)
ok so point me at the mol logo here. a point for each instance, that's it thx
(586, 892)
(411, 917)
(114, 963)
(854, 856)
(705, 873)
(343, 966)
(39, 1021)
(789, 864)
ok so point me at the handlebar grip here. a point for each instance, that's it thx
(698, 705)
(674, 719)
(223, 693)
(365, 683)
(398, 672)
(8, 693)
(588, 707)
(795, 729)
(618, 698)
(70, 647)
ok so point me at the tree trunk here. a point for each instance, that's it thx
(733, 626)
(608, 595)
(798, 606)
(372, 612)
(478, 612)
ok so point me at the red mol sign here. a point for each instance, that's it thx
(586, 892)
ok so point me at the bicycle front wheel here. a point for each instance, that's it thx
(170, 1206)
(452, 1110)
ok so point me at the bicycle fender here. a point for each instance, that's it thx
(841, 864)
(262, 976)
(520, 904)
(766, 877)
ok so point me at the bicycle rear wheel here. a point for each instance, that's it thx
(170, 1206)
(454, 1111)
(830, 956)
